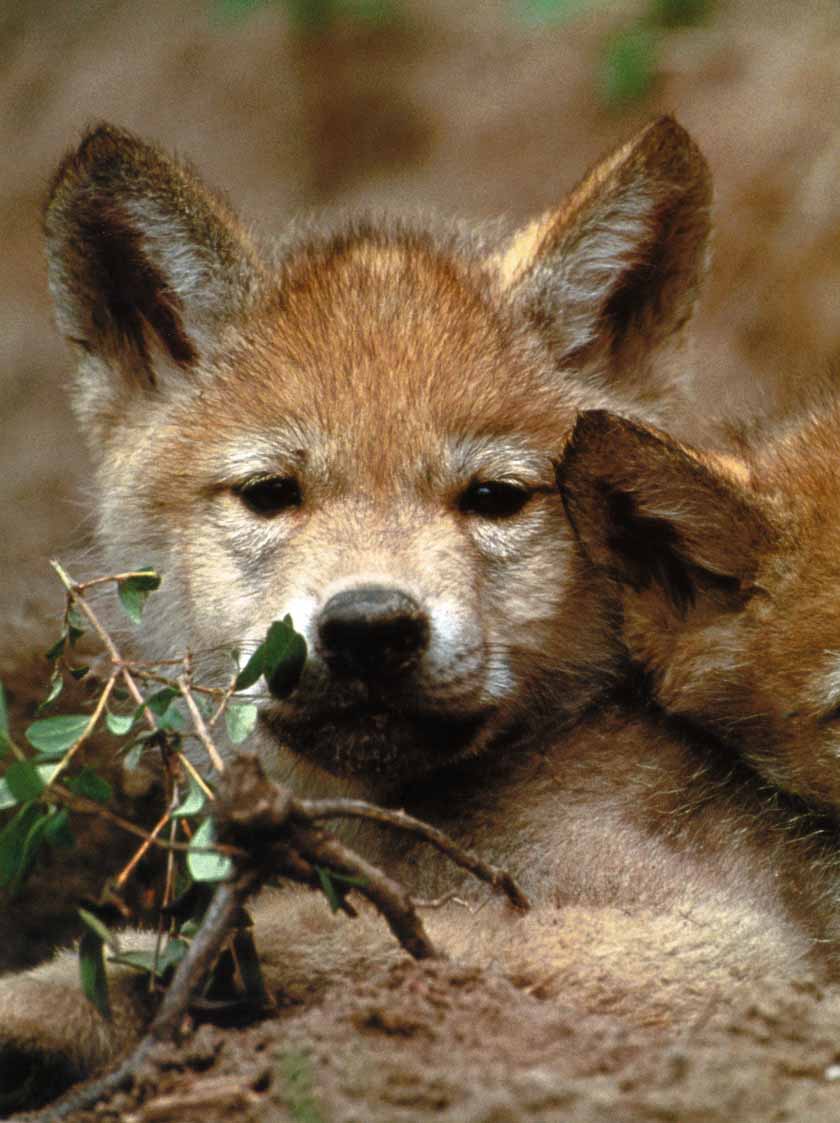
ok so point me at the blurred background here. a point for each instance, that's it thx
(475, 107)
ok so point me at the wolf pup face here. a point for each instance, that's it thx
(728, 573)
(364, 435)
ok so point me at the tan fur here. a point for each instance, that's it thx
(388, 372)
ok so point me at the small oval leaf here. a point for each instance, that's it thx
(23, 781)
(120, 724)
(240, 719)
(55, 688)
(134, 591)
(253, 669)
(7, 799)
(90, 785)
(193, 802)
(205, 864)
(52, 736)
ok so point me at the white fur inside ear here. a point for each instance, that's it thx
(191, 271)
(591, 261)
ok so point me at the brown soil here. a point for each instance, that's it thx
(452, 1043)
(469, 109)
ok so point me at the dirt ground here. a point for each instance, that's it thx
(459, 1045)
(472, 109)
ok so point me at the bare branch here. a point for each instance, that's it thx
(198, 723)
(497, 878)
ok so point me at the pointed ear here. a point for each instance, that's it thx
(615, 271)
(145, 264)
(649, 512)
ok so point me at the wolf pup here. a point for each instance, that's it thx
(360, 429)
(362, 434)
(728, 570)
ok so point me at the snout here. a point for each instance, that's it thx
(372, 632)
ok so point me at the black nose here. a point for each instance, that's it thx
(372, 632)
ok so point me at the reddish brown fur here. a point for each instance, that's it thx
(751, 652)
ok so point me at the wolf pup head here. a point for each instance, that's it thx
(728, 573)
(363, 434)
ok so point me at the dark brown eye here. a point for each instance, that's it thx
(270, 496)
(493, 499)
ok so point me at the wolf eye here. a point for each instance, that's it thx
(270, 495)
(493, 499)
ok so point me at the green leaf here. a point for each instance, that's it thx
(7, 799)
(57, 648)
(204, 704)
(134, 751)
(327, 877)
(170, 957)
(20, 841)
(5, 738)
(56, 687)
(23, 781)
(158, 702)
(252, 670)
(193, 802)
(12, 839)
(285, 657)
(100, 929)
(120, 724)
(240, 719)
(91, 785)
(161, 705)
(57, 832)
(207, 866)
(134, 592)
(80, 672)
(296, 1086)
(52, 736)
(173, 720)
(280, 658)
(76, 620)
(92, 972)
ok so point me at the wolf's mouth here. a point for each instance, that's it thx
(371, 740)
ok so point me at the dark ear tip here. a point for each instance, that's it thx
(591, 422)
(666, 130)
(103, 148)
(103, 140)
(590, 430)
(594, 427)
(673, 146)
